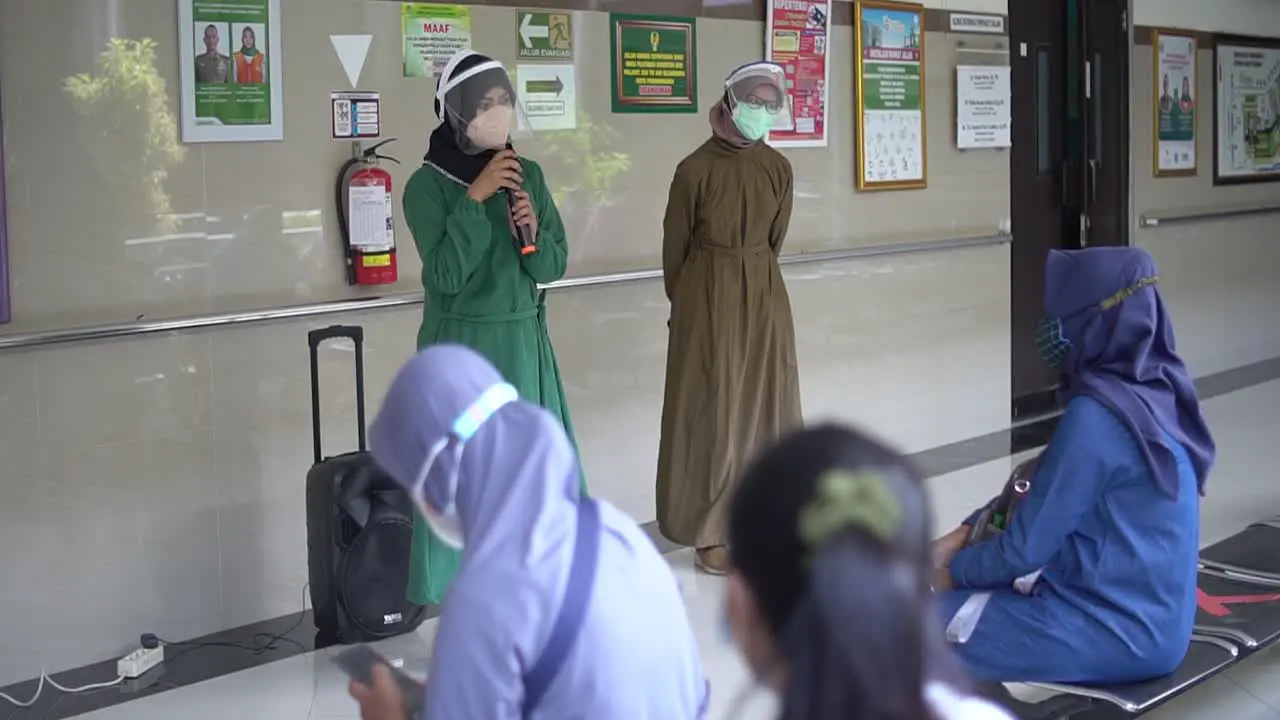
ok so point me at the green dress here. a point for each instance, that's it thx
(481, 293)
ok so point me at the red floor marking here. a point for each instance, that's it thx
(1216, 605)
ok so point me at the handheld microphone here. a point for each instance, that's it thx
(524, 234)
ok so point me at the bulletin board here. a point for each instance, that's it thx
(890, 93)
(4, 227)
(1246, 99)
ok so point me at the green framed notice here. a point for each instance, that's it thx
(890, 94)
(230, 61)
(653, 63)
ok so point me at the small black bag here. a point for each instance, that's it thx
(996, 516)
(359, 529)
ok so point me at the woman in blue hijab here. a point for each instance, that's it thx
(1105, 545)
(562, 607)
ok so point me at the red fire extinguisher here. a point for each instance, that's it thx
(366, 218)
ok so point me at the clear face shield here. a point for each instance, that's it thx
(480, 105)
(757, 100)
(438, 505)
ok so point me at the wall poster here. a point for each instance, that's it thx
(1247, 101)
(796, 33)
(1174, 103)
(889, 80)
(5, 312)
(432, 34)
(231, 80)
(653, 62)
(984, 106)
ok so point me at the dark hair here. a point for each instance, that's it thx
(853, 618)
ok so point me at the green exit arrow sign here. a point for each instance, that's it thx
(544, 35)
(544, 87)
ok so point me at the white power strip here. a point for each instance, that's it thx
(139, 661)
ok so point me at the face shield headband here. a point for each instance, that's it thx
(449, 81)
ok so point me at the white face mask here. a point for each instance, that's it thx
(491, 129)
(445, 522)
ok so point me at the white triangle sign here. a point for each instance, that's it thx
(352, 51)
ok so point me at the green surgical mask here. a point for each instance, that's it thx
(752, 122)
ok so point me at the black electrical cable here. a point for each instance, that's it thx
(261, 642)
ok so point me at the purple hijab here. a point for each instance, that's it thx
(1124, 356)
(516, 496)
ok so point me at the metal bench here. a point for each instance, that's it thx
(1252, 552)
(1237, 614)
(1234, 608)
(1206, 657)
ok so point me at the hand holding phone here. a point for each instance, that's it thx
(358, 662)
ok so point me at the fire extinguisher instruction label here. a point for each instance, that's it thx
(356, 115)
(369, 216)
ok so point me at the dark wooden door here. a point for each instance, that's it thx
(1044, 185)
(1106, 50)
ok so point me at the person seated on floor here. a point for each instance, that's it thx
(1111, 520)
(828, 593)
(562, 606)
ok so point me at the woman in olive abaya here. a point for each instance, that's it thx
(732, 381)
(481, 291)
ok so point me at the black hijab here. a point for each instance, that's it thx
(445, 151)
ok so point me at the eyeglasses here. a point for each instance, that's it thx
(773, 106)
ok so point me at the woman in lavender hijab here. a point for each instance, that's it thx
(562, 607)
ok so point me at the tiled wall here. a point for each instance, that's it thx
(1219, 277)
(169, 468)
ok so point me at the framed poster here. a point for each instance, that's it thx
(5, 312)
(1246, 99)
(796, 34)
(653, 63)
(1173, 103)
(890, 95)
(231, 81)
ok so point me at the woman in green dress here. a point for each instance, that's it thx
(481, 290)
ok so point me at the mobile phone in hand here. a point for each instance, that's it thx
(357, 662)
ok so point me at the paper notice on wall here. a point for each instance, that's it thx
(433, 34)
(796, 38)
(983, 107)
(549, 95)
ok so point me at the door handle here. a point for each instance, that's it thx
(1093, 181)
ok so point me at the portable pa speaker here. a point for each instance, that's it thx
(359, 530)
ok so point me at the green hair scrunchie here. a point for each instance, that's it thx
(846, 499)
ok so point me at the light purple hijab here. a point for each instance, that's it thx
(516, 498)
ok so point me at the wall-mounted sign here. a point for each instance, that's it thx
(544, 35)
(230, 71)
(1174, 103)
(796, 38)
(549, 95)
(889, 81)
(984, 112)
(1247, 101)
(352, 51)
(356, 115)
(653, 62)
(432, 34)
(976, 23)
(5, 315)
